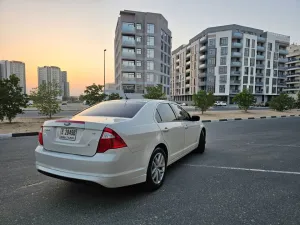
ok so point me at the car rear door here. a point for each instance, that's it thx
(192, 128)
(172, 130)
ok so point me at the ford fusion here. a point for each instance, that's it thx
(119, 143)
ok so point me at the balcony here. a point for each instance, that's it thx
(128, 43)
(130, 29)
(177, 60)
(235, 82)
(203, 48)
(261, 39)
(188, 55)
(283, 60)
(281, 84)
(235, 91)
(293, 67)
(128, 68)
(202, 66)
(202, 74)
(203, 39)
(282, 68)
(188, 70)
(236, 45)
(188, 63)
(188, 77)
(202, 83)
(259, 83)
(187, 85)
(236, 54)
(236, 64)
(202, 57)
(258, 91)
(128, 55)
(260, 48)
(293, 59)
(235, 73)
(260, 57)
(237, 35)
(282, 75)
(261, 66)
(283, 52)
(259, 75)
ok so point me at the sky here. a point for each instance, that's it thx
(72, 34)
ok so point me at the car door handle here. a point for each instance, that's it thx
(165, 129)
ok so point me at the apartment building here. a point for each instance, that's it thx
(55, 75)
(293, 70)
(226, 59)
(8, 68)
(143, 45)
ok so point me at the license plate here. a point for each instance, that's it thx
(67, 134)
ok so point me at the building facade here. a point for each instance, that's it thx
(293, 70)
(54, 74)
(226, 59)
(8, 68)
(143, 45)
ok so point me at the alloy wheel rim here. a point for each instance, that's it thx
(158, 168)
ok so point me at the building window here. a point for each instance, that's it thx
(139, 51)
(244, 87)
(150, 65)
(211, 61)
(138, 26)
(275, 64)
(224, 41)
(138, 75)
(128, 75)
(224, 50)
(223, 79)
(252, 61)
(138, 63)
(247, 42)
(138, 39)
(275, 56)
(275, 73)
(276, 47)
(267, 81)
(211, 42)
(150, 41)
(268, 72)
(253, 43)
(246, 61)
(212, 51)
(269, 55)
(150, 53)
(161, 67)
(269, 46)
(245, 80)
(251, 71)
(162, 56)
(246, 52)
(149, 77)
(211, 70)
(222, 89)
(222, 69)
(127, 63)
(269, 63)
(150, 28)
(246, 70)
(251, 80)
(253, 53)
(223, 61)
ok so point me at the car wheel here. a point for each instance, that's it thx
(156, 170)
(201, 145)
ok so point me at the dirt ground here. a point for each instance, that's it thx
(21, 125)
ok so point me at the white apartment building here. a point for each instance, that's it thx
(143, 45)
(226, 59)
(55, 75)
(8, 68)
(293, 70)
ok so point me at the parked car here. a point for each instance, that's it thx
(183, 104)
(220, 103)
(118, 143)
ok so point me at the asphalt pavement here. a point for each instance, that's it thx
(249, 174)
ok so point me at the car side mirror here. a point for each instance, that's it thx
(195, 118)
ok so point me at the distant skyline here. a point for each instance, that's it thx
(72, 34)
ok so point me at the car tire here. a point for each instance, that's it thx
(157, 167)
(202, 142)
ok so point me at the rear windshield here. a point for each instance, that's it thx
(117, 108)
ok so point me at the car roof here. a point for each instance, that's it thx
(143, 100)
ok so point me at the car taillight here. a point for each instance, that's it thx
(110, 140)
(41, 136)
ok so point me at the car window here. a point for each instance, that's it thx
(157, 117)
(180, 113)
(117, 108)
(166, 113)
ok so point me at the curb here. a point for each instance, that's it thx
(10, 135)
(250, 118)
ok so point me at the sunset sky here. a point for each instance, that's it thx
(72, 34)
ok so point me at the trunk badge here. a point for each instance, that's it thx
(67, 124)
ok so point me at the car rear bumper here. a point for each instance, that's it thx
(115, 168)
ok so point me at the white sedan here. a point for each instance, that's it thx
(119, 143)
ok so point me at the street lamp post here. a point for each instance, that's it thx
(104, 71)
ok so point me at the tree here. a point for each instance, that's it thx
(244, 99)
(93, 94)
(114, 96)
(155, 92)
(282, 102)
(81, 98)
(203, 100)
(12, 98)
(297, 102)
(45, 98)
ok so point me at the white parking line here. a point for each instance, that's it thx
(243, 169)
(272, 145)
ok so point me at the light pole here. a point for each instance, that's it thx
(104, 71)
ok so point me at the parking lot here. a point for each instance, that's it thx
(250, 174)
